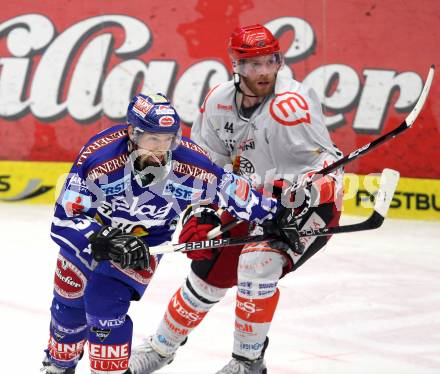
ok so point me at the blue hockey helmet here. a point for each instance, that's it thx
(154, 124)
(153, 113)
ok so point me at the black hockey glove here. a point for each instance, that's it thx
(284, 231)
(128, 250)
(100, 242)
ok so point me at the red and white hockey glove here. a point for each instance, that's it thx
(196, 224)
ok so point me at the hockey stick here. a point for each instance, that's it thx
(387, 186)
(407, 123)
(222, 229)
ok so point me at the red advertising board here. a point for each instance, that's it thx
(69, 68)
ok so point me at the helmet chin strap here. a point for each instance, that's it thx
(237, 81)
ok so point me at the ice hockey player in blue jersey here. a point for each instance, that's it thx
(124, 194)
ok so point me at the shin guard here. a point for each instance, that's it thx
(185, 311)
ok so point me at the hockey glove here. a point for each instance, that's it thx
(300, 199)
(196, 224)
(284, 231)
(128, 250)
(100, 242)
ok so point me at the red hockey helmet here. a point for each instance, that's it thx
(251, 41)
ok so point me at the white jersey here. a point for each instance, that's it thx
(284, 138)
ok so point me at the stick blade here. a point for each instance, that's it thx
(421, 101)
(387, 187)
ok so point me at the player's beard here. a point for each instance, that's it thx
(145, 160)
(150, 167)
(261, 86)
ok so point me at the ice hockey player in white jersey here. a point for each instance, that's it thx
(266, 127)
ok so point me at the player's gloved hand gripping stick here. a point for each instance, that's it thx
(130, 251)
(387, 186)
(111, 243)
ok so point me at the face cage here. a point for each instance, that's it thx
(250, 66)
(138, 133)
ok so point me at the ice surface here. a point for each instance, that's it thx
(369, 303)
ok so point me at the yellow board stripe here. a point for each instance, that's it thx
(31, 182)
(414, 198)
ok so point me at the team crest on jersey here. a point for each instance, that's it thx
(290, 109)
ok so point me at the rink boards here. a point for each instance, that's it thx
(40, 183)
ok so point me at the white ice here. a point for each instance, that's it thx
(369, 303)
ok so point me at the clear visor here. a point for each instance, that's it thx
(259, 65)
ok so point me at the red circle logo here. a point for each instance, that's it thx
(290, 109)
(69, 281)
(166, 121)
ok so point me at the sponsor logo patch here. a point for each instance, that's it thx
(251, 346)
(166, 121)
(239, 191)
(108, 166)
(141, 276)
(101, 334)
(224, 107)
(244, 327)
(99, 143)
(179, 191)
(69, 281)
(164, 110)
(76, 184)
(116, 187)
(75, 203)
(195, 171)
(65, 351)
(109, 358)
(182, 313)
(194, 147)
(173, 327)
(142, 106)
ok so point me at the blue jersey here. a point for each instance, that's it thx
(102, 189)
